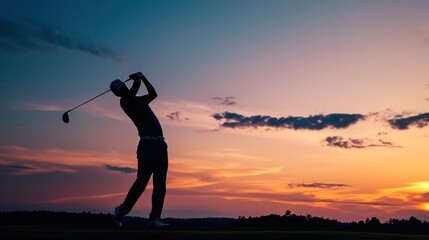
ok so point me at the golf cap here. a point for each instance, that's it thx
(115, 85)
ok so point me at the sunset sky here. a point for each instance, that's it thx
(318, 107)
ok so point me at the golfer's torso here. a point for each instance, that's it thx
(142, 116)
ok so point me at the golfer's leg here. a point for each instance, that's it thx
(159, 182)
(136, 190)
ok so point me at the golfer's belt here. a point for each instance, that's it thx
(154, 138)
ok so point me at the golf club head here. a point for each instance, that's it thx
(66, 117)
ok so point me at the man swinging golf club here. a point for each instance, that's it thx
(151, 151)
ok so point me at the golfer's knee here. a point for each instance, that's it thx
(160, 189)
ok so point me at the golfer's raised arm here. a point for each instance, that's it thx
(136, 86)
(151, 91)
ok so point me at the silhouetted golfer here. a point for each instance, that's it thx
(151, 151)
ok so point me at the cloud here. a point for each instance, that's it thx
(313, 122)
(47, 159)
(209, 180)
(104, 110)
(292, 197)
(192, 114)
(83, 198)
(17, 160)
(97, 109)
(39, 107)
(225, 100)
(209, 130)
(175, 116)
(21, 37)
(382, 133)
(415, 195)
(92, 108)
(317, 185)
(340, 142)
(120, 169)
(17, 168)
(211, 169)
(402, 123)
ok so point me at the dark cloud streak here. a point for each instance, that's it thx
(403, 123)
(21, 37)
(355, 143)
(173, 116)
(313, 122)
(176, 116)
(225, 101)
(317, 185)
(19, 167)
(120, 169)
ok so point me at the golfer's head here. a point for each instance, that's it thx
(118, 88)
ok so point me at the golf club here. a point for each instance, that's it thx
(66, 118)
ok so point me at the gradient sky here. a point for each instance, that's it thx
(319, 107)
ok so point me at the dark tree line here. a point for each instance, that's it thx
(298, 222)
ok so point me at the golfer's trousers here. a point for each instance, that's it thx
(152, 160)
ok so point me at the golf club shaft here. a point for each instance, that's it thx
(94, 97)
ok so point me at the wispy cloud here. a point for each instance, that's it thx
(184, 172)
(176, 116)
(82, 198)
(213, 169)
(104, 110)
(226, 178)
(413, 195)
(47, 159)
(225, 100)
(387, 202)
(120, 169)
(17, 37)
(402, 123)
(17, 169)
(317, 185)
(195, 114)
(92, 108)
(39, 107)
(314, 122)
(294, 196)
(349, 143)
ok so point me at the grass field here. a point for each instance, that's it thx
(103, 234)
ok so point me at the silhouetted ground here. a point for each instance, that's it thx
(48, 233)
(60, 225)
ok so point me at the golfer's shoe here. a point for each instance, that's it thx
(157, 224)
(117, 220)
